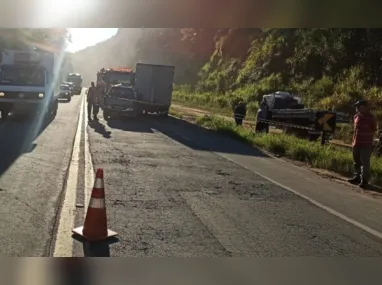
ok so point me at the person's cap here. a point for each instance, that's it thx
(360, 103)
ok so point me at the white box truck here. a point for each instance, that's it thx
(154, 85)
(29, 82)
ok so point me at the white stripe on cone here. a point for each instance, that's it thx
(97, 203)
(98, 183)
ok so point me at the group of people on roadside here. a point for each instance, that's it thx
(365, 126)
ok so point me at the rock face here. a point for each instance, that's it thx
(116, 51)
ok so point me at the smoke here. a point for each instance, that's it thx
(120, 50)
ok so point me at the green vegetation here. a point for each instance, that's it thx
(218, 67)
(329, 67)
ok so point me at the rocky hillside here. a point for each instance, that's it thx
(158, 46)
(329, 67)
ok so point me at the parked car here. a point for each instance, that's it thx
(120, 101)
(65, 92)
(71, 85)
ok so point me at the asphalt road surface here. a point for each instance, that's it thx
(172, 189)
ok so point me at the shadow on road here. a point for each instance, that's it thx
(96, 249)
(137, 124)
(100, 128)
(16, 138)
(199, 138)
(186, 133)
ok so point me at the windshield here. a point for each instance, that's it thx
(64, 87)
(124, 93)
(120, 77)
(22, 76)
(74, 79)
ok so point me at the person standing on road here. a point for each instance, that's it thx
(98, 95)
(239, 113)
(90, 99)
(364, 128)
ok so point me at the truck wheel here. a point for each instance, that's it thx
(69, 99)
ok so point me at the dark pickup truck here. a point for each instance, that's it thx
(65, 92)
(120, 100)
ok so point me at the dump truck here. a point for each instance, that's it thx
(29, 82)
(76, 79)
(286, 112)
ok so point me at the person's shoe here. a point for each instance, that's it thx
(363, 183)
(354, 180)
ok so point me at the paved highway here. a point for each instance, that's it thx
(172, 189)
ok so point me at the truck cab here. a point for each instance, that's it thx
(114, 76)
(27, 82)
(283, 100)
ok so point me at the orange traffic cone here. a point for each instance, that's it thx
(95, 227)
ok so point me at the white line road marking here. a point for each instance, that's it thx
(89, 171)
(64, 242)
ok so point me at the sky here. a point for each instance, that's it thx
(84, 37)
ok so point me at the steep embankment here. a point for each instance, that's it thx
(329, 67)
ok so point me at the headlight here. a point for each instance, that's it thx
(2, 94)
(67, 93)
(40, 95)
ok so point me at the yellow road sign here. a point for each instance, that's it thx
(324, 122)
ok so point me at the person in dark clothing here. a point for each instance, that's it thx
(239, 113)
(364, 128)
(262, 114)
(90, 96)
(93, 100)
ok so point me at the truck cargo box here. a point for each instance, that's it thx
(154, 83)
